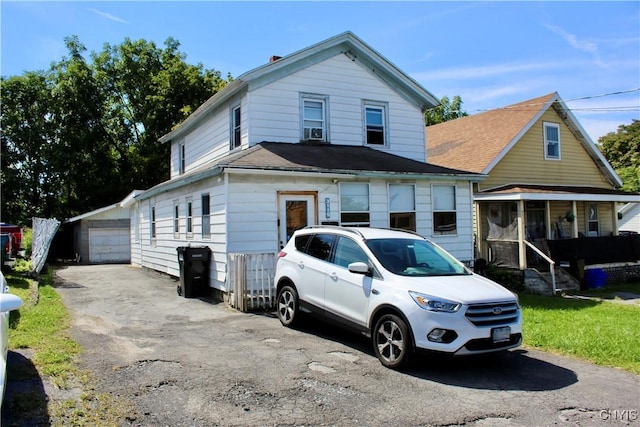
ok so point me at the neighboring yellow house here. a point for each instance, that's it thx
(546, 179)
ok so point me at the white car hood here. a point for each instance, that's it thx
(465, 289)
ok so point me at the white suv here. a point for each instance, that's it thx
(396, 287)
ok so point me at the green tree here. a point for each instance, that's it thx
(84, 133)
(27, 139)
(445, 111)
(622, 150)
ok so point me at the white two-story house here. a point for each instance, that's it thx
(331, 134)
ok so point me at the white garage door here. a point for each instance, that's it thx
(109, 245)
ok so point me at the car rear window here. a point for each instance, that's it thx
(301, 242)
(320, 246)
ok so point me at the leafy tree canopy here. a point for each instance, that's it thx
(84, 133)
(622, 150)
(447, 110)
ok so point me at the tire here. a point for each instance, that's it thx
(392, 341)
(288, 308)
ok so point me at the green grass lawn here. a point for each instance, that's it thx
(598, 330)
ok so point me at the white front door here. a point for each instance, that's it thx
(296, 211)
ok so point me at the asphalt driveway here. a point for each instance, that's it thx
(199, 363)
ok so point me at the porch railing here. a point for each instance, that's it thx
(551, 262)
(250, 281)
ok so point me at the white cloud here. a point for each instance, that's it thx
(108, 16)
(575, 42)
(487, 71)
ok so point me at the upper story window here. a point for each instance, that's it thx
(402, 206)
(181, 158)
(354, 204)
(551, 141)
(235, 128)
(375, 118)
(314, 117)
(444, 209)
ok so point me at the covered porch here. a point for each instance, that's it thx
(520, 226)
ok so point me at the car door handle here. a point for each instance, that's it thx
(375, 291)
(301, 264)
(334, 276)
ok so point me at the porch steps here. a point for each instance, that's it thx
(539, 282)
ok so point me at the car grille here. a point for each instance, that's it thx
(493, 314)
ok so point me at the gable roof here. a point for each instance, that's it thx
(478, 142)
(320, 159)
(124, 203)
(346, 43)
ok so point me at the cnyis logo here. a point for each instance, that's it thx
(497, 310)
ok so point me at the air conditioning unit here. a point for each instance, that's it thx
(313, 133)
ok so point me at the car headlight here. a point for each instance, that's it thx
(430, 303)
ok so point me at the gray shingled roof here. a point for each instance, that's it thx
(329, 158)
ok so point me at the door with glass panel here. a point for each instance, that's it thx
(296, 211)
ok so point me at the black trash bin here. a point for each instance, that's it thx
(194, 271)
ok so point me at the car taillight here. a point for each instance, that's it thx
(282, 254)
(7, 247)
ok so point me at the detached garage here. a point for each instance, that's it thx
(102, 236)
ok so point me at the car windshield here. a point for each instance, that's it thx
(413, 257)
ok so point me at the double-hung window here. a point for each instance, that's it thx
(551, 141)
(236, 138)
(375, 119)
(594, 223)
(354, 204)
(314, 117)
(189, 212)
(181, 158)
(176, 219)
(206, 216)
(402, 206)
(152, 222)
(444, 209)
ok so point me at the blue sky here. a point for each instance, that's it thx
(492, 54)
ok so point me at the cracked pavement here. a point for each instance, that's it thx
(195, 362)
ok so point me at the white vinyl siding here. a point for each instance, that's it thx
(275, 107)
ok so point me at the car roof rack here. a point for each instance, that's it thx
(353, 230)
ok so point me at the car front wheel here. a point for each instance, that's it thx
(392, 341)
(288, 306)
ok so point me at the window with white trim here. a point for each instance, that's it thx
(444, 209)
(354, 204)
(152, 222)
(236, 136)
(402, 206)
(551, 141)
(593, 222)
(189, 215)
(181, 158)
(314, 117)
(206, 216)
(375, 120)
(176, 219)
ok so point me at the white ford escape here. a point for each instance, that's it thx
(400, 289)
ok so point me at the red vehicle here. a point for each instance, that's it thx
(15, 232)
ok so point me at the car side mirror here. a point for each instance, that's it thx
(360, 268)
(9, 302)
